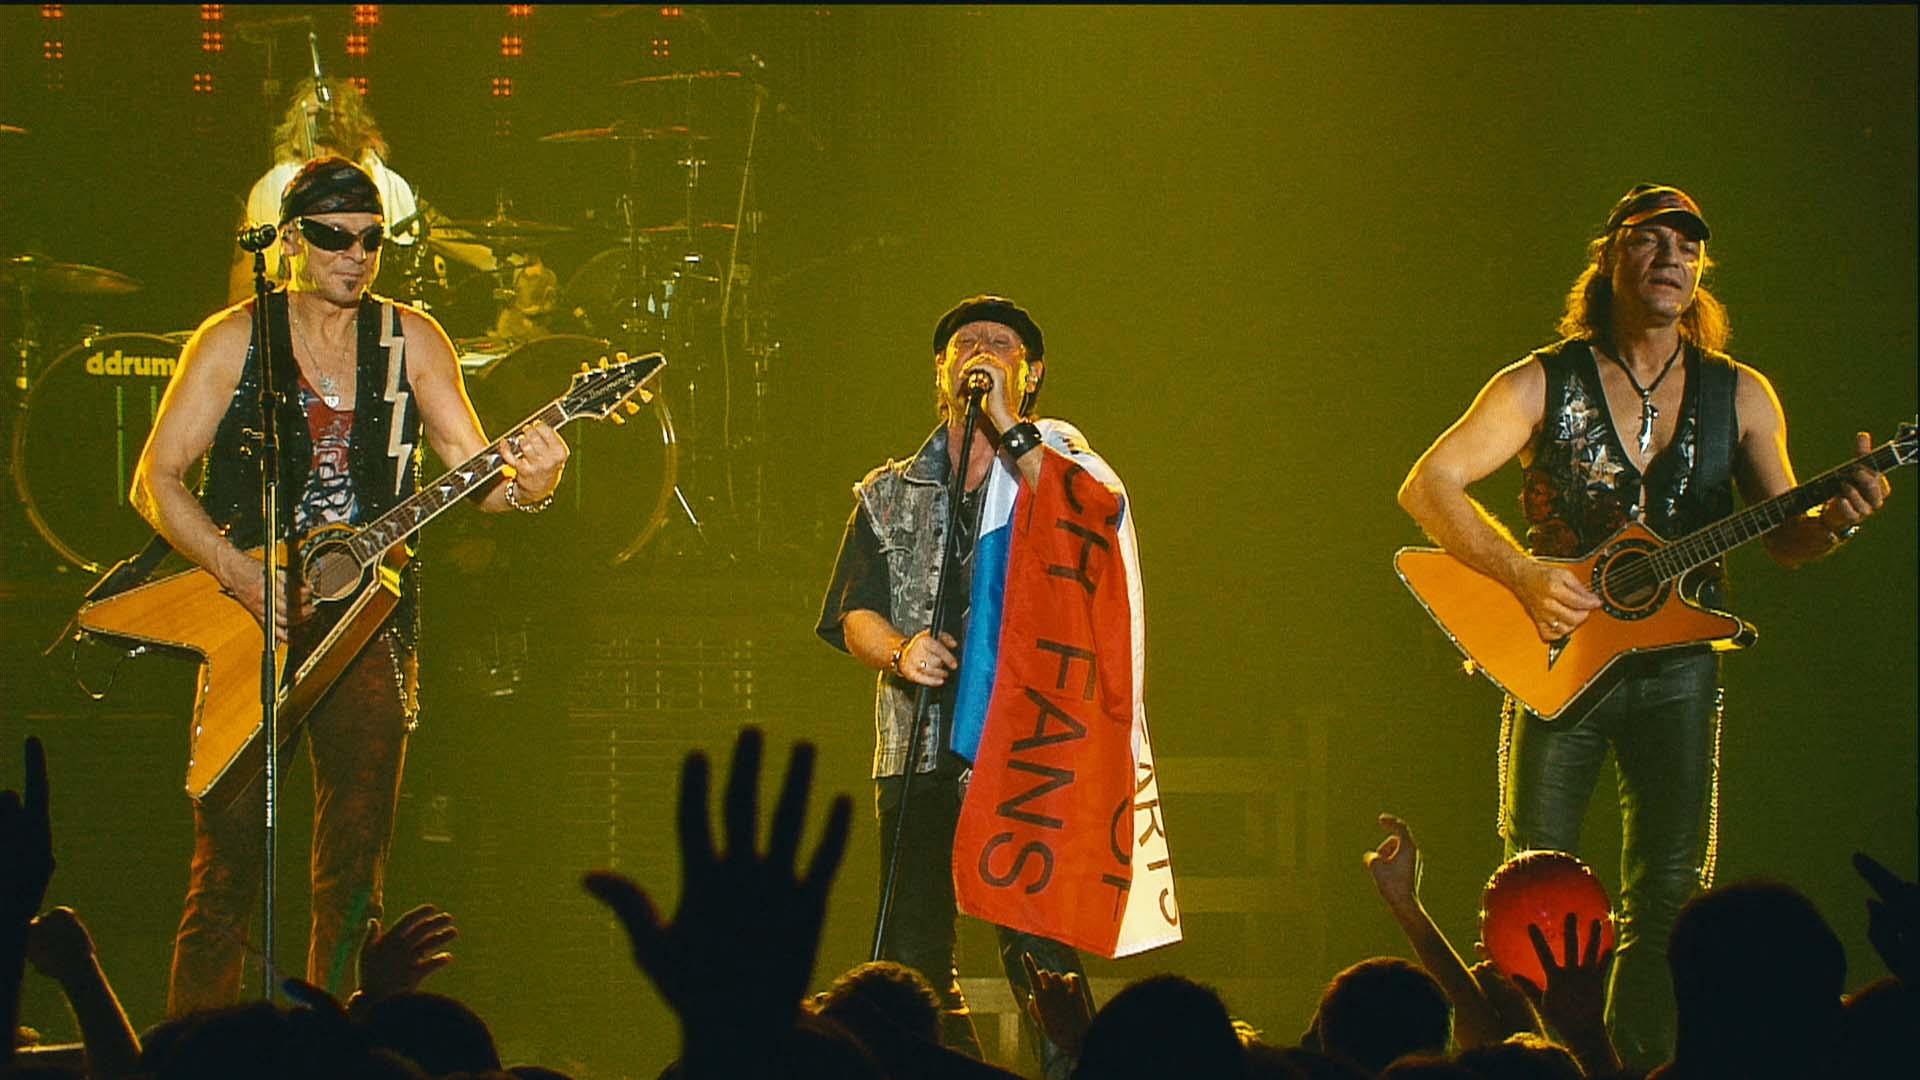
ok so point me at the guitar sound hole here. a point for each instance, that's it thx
(1629, 583)
(332, 571)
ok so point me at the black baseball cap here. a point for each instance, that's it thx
(1646, 202)
(989, 308)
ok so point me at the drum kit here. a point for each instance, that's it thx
(526, 301)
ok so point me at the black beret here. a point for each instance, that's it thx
(990, 309)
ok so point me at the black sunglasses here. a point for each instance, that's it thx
(333, 238)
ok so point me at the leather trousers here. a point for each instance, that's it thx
(1660, 720)
(357, 738)
(920, 932)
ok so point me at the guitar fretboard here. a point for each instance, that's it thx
(1704, 545)
(400, 522)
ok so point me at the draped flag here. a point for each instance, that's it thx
(1061, 833)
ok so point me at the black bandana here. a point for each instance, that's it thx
(330, 186)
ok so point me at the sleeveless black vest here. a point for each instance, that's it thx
(1580, 485)
(384, 447)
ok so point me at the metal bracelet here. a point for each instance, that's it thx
(513, 498)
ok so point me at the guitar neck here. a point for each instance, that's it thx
(1707, 544)
(429, 502)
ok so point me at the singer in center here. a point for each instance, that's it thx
(988, 370)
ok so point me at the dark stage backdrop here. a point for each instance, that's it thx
(1275, 251)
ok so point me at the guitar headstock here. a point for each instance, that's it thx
(598, 391)
(1905, 444)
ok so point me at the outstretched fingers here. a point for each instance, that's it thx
(790, 813)
(696, 831)
(832, 848)
(634, 909)
(743, 795)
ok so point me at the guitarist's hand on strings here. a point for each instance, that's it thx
(1555, 599)
(240, 575)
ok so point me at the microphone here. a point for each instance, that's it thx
(256, 237)
(319, 78)
(979, 383)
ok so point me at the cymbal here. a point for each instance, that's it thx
(40, 272)
(678, 77)
(622, 131)
(500, 230)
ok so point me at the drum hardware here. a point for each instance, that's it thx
(35, 271)
(77, 438)
(678, 77)
(626, 131)
(619, 490)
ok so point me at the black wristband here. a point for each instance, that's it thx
(1019, 439)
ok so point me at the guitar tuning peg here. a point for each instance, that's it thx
(645, 395)
(583, 367)
(616, 417)
(603, 363)
(633, 408)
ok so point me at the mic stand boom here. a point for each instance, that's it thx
(955, 486)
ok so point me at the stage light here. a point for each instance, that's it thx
(512, 45)
(663, 47)
(502, 88)
(358, 44)
(213, 12)
(212, 41)
(366, 14)
(203, 82)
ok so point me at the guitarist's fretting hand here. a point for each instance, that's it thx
(1555, 599)
(1864, 493)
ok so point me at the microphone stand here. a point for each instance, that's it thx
(977, 386)
(267, 446)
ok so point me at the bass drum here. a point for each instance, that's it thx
(619, 482)
(78, 438)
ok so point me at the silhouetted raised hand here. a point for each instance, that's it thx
(61, 949)
(26, 868)
(1893, 920)
(738, 955)
(1574, 1001)
(26, 842)
(396, 961)
(1061, 1005)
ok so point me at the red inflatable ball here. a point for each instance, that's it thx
(1539, 888)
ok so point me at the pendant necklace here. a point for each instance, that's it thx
(1647, 411)
(330, 389)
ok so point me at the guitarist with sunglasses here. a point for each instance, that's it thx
(1635, 415)
(364, 381)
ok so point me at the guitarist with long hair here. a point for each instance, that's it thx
(362, 379)
(1635, 415)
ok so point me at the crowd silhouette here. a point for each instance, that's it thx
(1759, 981)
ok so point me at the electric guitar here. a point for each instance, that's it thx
(1647, 602)
(354, 574)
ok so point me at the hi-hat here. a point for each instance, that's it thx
(622, 131)
(39, 272)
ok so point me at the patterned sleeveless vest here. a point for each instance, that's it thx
(1580, 486)
(385, 445)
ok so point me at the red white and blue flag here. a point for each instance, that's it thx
(1061, 833)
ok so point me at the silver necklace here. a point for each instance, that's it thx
(329, 389)
(1647, 411)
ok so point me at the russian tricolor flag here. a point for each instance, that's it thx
(1062, 833)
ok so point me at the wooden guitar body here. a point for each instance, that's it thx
(1638, 614)
(189, 612)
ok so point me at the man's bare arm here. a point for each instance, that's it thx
(1764, 470)
(1496, 427)
(196, 400)
(453, 428)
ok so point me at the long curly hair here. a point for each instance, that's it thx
(1589, 310)
(346, 126)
